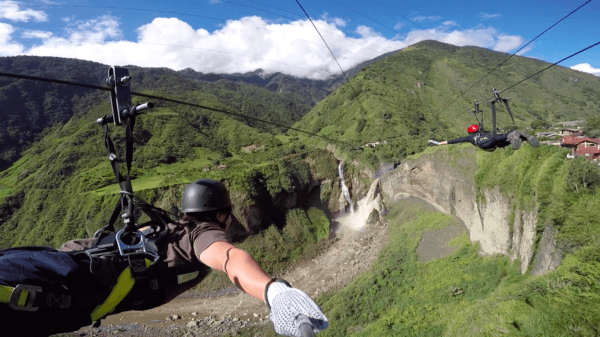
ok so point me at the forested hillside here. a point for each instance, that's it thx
(28, 107)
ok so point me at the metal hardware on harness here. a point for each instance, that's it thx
(14, 297)
(475, 112)
(498, 99)
(124, 248)
(123, 113)
(133, 111)
(120, 95)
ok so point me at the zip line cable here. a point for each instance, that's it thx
(336, 61)
(513, 54)
(49, 80)
(281, 9)
(402, 16)
(355, 11)
(236, 115)
(550, 66)
(530, 76)
(258, 9)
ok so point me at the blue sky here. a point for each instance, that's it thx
(225, 36)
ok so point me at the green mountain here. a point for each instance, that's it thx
(409, 96)
(29, 107)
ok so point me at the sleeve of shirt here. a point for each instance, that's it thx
(460, 140)
(205, 235)
(78, 244)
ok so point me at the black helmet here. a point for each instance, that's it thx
(205, 195)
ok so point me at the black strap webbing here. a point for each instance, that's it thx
(125, 203)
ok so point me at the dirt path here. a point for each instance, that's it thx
(353, 252)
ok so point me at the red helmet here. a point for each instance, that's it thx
(473, 128)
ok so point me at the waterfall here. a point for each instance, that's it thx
(344, 188)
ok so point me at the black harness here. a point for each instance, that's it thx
(142, 275)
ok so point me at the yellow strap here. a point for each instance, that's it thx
(22, 298)
(124, 285)
(5, 293)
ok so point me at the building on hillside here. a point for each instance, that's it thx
(545, 134)
(582, 146)
(551, 142)
(207, 168)
(569, 132)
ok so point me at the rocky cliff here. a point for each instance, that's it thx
(448, 182)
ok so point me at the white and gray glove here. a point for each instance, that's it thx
(434, 142)
(287, 304)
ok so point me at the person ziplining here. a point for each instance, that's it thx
(141, 266)
(486, 140)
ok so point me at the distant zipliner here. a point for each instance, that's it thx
(489, 141)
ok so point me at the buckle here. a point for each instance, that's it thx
(16, 293)
(125, 249)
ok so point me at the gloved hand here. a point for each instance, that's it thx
(434, 142)
(286, 303)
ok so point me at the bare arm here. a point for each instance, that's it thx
(241, 268)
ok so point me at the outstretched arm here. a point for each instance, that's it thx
(241, 268)
(438, 143)
(286, 304)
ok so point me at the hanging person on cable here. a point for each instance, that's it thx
(44, 291)
(486, 140)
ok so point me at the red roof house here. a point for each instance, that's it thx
(582, 146)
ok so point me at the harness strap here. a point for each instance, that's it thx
(124, 285)
(30, 298)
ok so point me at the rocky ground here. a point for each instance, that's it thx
(354, 247)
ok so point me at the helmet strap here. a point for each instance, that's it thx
(223, 225)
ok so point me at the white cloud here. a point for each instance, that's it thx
(449, 23)
(486, 16)
(98, 29)
(399, 25)
(36, 34)
(242, 45)
(506, 43)
(586, 68)
(215, 1)
(336, 21)
(7, 46)
(420, 18)
(481, 37)
(10, 10)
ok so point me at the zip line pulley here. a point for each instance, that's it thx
(498, 99)
(123, 114)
